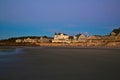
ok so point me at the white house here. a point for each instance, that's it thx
(60, 37)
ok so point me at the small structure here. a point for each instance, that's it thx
(18, 40)
(44, 40)
(29, 40)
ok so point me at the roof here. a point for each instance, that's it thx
(60, 34)
(78, 35)
(117, 31)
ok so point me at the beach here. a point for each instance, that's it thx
(60, 63)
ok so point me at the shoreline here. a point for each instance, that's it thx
(67, 47)
(78, 45)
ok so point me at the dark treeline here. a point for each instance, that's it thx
(23, 37)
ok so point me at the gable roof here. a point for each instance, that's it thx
(60, 33)
(78, 35)
(116, 31)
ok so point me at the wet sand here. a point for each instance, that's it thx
(42, 63)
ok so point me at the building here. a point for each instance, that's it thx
(29, 40)
(44, 40)
(18, 40)
(115, 32)
(79, 38)
(60, 37)
(82, 38)
(94, 38)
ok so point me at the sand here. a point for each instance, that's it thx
(43, 63)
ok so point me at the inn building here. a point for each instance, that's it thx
(60, 37)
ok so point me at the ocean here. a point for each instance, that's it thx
(47, 63)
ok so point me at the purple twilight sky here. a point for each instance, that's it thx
(45, 17)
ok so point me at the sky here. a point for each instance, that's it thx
(45, 17)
